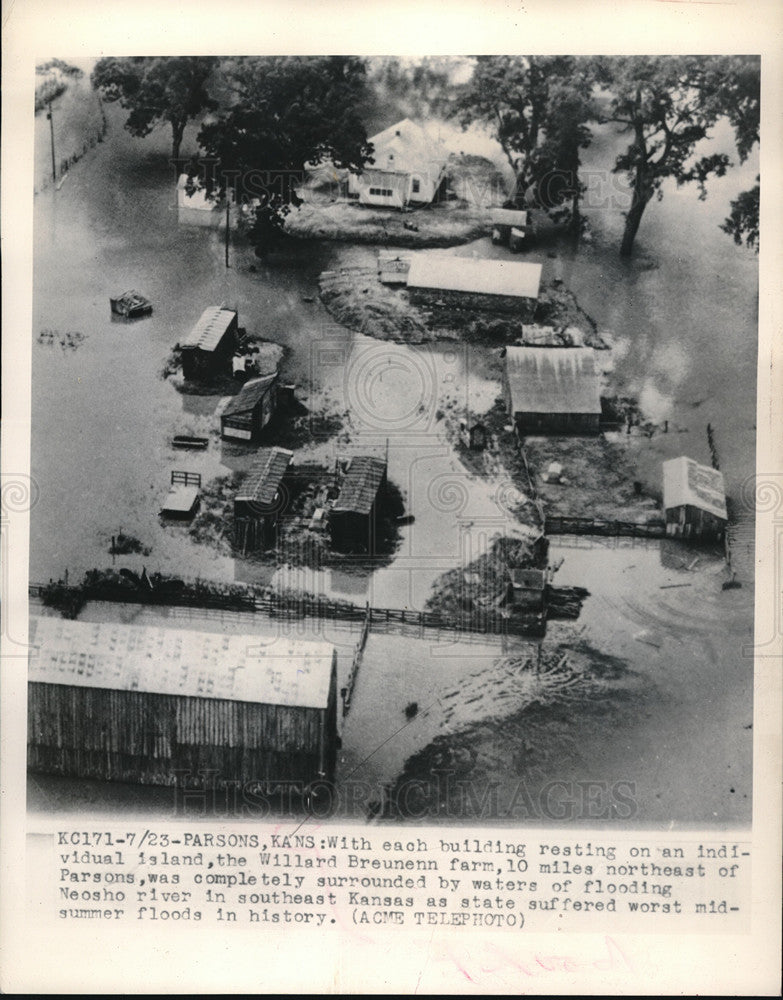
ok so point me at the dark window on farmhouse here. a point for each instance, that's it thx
(382, 192)
(416, 185)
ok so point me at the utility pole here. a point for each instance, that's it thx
(51, 128)
(228, 221)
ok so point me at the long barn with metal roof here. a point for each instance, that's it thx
(440, 279)
(552, 389)
(138, 704)
(694, 499)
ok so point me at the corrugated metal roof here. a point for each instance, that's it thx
(552, 380)
(263, 480)
(486, 277)
(508, 217)
(180, 662)
(250, 395)
(687, 482)
(360, 486)
(408, 148)
(210, 329)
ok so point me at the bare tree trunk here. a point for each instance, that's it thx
(632, 220)
(177, 131)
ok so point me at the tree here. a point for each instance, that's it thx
(157, 90)
(538, 108)
(667, 106)
(288, 112)
(743, 223)
(738, 92)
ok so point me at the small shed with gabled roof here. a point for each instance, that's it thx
(208, 348)
(352, 517)
(246, 414)
(260, 500)
(552, 390)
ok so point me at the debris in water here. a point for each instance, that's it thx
(649, 640)
(671, 586)
(411, 710)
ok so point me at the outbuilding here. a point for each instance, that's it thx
(155, 706)
(260, 500)
(506, 220)
(408, 168)
(352, 517)
(208, 348)
(552, 390)
(527, 588)
(694, 499)
(246, 414)
(443, 280)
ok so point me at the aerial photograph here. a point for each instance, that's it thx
(394, 438)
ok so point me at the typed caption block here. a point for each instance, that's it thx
(515, 881)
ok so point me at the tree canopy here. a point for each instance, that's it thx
(667, 105)
(538, 108)
(287, 112)
(156, 90)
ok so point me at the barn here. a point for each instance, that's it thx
(694, 499)
(408, 168)
(352, 517)
(247, 413)
(552, 390)
(208, 348)
(139, 704)
(438, 279)
(260, 500)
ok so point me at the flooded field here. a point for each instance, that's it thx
(682, 315)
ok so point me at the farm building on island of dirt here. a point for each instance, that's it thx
(694, 499)
(352, 517)
(509, 226)
(247, 413)
(437, 279)
(208, 348)
(526, 588)
(259, 501)
(154, 706)
(408, 168)
(552, 390)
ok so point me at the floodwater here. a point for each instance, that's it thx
(683, 318)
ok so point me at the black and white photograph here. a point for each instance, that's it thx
(394, 498)
(393, 421)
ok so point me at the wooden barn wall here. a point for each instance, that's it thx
(523, 308)
(140, 737)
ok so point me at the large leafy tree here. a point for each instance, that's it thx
(538, 108)
(737, 85)
(157, 90)
(666, 105)
(287, 112)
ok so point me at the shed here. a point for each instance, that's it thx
(194, 208)
(140, 704)
(527, 587)
(393, 267)
(503, 220)
(694, 499)
(260, 500)
(408, 167)
(473, 436)
(438, 279)
(352, 517)
(208, 348)
(552, 390)
(247, 413)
